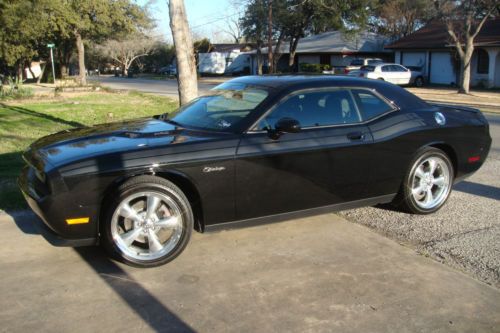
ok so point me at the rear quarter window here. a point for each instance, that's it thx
(370, 105)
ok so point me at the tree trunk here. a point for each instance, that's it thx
(19, 71)
(43, 66)
(81, 59)
(64, 70)
(259, 58)
(28, 64)
(465, 68)
(293, 49)
(277, 52)
(184, 52)
(270, 38)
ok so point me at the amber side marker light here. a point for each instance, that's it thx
(80, 220)
(473, 159)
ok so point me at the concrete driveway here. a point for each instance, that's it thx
(320, 274)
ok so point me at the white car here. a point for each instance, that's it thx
(393, 73)
(357, 63)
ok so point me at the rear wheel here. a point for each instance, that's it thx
(427, 183)
(148, 222)
(419, 82)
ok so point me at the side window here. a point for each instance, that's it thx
(386, 68)
(398, 68)
(312, 109)
(370, 105)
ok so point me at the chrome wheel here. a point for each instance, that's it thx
(431, 182)
(147, 225)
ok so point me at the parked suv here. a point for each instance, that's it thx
(393, 73)
(359, 62)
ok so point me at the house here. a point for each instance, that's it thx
(431, 48)
(333, 48)
(220, 57)
(34, 70)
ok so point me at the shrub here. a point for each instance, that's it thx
(313, 68)
(14, 90)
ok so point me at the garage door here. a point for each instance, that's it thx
(441, 68)
(413, 59)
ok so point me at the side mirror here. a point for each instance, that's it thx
(284, 125)
(287, 125)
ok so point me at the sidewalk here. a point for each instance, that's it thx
(319, 274)
(487, 101)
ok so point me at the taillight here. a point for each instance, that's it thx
(346, 71)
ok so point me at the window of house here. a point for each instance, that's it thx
(324, 59)
(483, 62)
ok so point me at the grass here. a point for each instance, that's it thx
(22, 122)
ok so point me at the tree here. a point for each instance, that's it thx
(464, 20)
(298, 22)
(161, 55)
(97, 20)
(399, 18)
(253, 25)
(124, 52)
(21, 32)
(232, 26)
(183, 42)
(294, 19)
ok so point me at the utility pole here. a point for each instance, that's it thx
(270, 38)
(51, 46)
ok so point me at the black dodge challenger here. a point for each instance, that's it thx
(255, 149)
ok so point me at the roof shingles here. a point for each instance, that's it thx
(435, 36)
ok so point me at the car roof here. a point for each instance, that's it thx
(285, 84)
(279, 81)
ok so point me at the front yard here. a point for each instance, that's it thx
(22, 122)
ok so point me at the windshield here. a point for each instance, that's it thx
(226, 106)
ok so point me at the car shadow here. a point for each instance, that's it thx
(25, 220)
(138, 298)
(482, 190)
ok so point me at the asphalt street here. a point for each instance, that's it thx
(166, 87)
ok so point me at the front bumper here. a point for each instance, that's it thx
(52, 211)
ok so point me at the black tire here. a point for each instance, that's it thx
(419, 82)
(381, 79)
(405, 200)
(136, 187)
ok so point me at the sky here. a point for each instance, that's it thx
(207, 18)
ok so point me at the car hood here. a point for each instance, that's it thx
(81, 143)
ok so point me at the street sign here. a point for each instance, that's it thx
(51, 46)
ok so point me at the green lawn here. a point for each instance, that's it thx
(22, 122)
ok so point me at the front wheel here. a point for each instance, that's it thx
(427, 184)
(148, 222)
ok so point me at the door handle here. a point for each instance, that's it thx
(356, 136)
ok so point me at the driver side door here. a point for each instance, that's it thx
(324, 163)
